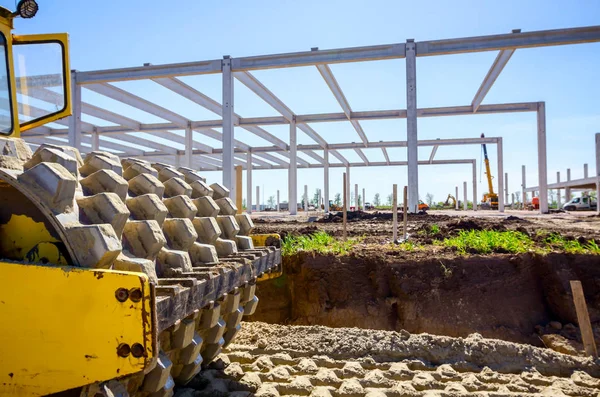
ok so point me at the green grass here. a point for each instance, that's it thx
(488, 241)
(434, 229)
(319, 242)
(556, 242)
(408, 246)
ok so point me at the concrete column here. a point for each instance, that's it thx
(542, 160)
(74, 134)
(238, 188)
(506, 188)
(500, 173)
(305, 198)
(249, 183)
(411, 126)
(364, 199)
(278, 201)
(465, 205)
(347, 187)
(257, 198)
(585, 170)
(568, 190)
(456, 197)
(326, 180)
(558, 200)
(319, 200)
(189, 146)
(228, 128)
(356, 197)
(598, 172)
(293, 172)
(524, 185)
(96, 140)
(474, 164)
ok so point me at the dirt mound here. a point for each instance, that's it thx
(274, 360)
(354, 216)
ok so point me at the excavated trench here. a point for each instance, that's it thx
(511, 297)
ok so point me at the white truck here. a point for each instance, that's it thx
(583, 203)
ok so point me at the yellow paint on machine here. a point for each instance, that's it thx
(64, 327)
(36, 245)
(266, 240)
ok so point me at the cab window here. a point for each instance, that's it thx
(576, 200)
(6, 117)
(39, 74)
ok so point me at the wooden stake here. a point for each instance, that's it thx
(395, 212)
(583, 318)
(344, 208)
(405, 212)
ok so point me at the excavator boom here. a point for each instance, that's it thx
(490, 198)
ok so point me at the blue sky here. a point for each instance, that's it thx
(110, 34)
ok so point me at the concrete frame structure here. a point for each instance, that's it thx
(201, 156)
(585, 183)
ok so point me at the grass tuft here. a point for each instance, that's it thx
(488, 241)
(319, 242)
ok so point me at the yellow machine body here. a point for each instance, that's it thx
(66, 327)
(62, 327)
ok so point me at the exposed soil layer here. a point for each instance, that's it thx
(275, 360)
(501, 296)
(433, 290)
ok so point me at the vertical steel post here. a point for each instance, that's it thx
(558, 200)
(542, 160)
(326, 180)
(585, 170)
(524, 186)
(465, 204)
(356, 197)
(228, 128)
(293, 171)
(249, 183)
(177, 160)
(411, 125)
(500, 173)
(278, 201)
(474, 165)
(75, 119)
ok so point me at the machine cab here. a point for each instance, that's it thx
(35, 88)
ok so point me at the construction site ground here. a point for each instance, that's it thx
(417, 319)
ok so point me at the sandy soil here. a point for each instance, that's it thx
(376, 227)
(275, 360)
